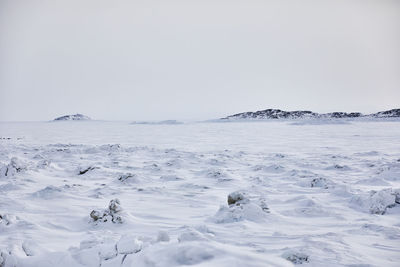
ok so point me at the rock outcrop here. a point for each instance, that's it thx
(387, 114)
(111, 214)
(306, 114)
(75, 117)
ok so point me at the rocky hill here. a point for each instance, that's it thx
(75, 117)
(305, 114)
(387, 114)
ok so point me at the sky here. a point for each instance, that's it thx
(194, 60)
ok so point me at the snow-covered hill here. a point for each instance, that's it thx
(387, 114)
(304, 114)
(75, 117)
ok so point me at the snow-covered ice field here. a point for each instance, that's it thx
(92, 193)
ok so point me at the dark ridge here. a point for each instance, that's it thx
(305, 114)
(75, 117)
(388, 113)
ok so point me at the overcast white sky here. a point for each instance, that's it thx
(191, 59)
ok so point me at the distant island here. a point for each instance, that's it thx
(305, 114)
(75, 117)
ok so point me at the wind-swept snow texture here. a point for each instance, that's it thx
(270, 193)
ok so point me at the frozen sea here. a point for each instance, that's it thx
(97, 193)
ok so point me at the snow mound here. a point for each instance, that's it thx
(237, 198)
(273, 168)
(111, 214)
(48, 192)
(296, 257)
(15, 166)
(110, 147)
(191, 234)
(241, 208)
(128, 178)
(162, 236)
(218, 175)
(43, 164)
(7, 219)
(320, 182)
(390, 172)
(31, 248)
(377, 202)
(7, 260)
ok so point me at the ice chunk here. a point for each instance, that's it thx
(15, 166)
(7, 259)
(190, 235)
(129, 244)
(296, 257)
(112, 213)
(31, 248)
(162, 236)
(377, 202)
(7, 219)
(107, 251)
(320, 182)
(237, 198)
(382, 200)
